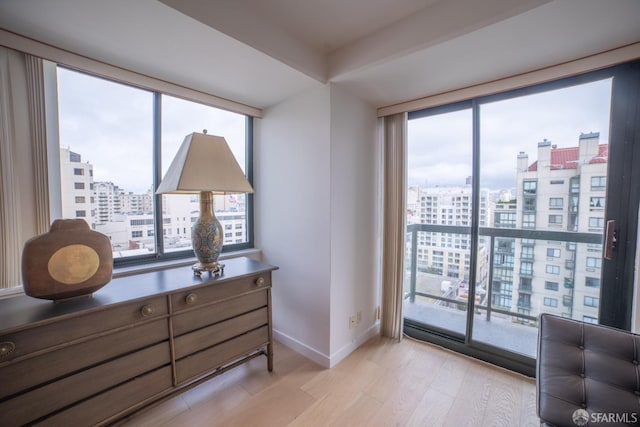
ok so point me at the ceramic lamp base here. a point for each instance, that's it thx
(207, 238)
(214, 269)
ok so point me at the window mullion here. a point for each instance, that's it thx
(157, 172)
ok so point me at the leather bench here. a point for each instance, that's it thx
(586, 367)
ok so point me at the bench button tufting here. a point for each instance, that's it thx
(583, 405)
(581, 347)
(582, 375)
(635, 362)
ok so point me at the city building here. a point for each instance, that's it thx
(108, 204)
(564, 190)
(505, 213)
(76, 187)
(448, 254)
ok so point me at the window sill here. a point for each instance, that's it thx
(136, 269)
(129, 271)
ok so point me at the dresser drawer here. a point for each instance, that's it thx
(55, 364)
(199, 363)
(214, 292)
(110, 404)
(204, 316)
(222, 331)
(42, 336)
(59, 394)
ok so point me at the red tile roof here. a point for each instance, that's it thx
(567, 158)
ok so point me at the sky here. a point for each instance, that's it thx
(439, 147)
(110, 126)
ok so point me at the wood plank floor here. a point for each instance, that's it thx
(383, 383)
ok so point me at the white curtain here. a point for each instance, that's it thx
(393, 224)
(24, 199)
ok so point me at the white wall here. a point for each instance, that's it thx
(354, 213)
(315, 177)
(292, 217)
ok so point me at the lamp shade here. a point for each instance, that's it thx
(204, 163)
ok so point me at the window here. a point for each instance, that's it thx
(81, 214)
(553, 269)
(556, 203)
(529, 204)
(80, 199)
(589, 319)
(528, 220)
(555, 220)
(526, 268)
(551, 286)
(596, 203)
(597, 223)
(568, 166)
(553, 253)
(550, 302)
(592, 282)
(594, 262)
(524, 300)
(529, 187)
(128, 158)
(598, 183)
(591, 301)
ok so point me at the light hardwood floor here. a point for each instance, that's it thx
(383, 383)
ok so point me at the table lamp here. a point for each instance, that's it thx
(204, 164)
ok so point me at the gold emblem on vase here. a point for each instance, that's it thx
(73, 264)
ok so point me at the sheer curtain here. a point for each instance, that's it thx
(393, 224)
(24, 197)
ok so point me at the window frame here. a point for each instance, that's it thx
(160, 255)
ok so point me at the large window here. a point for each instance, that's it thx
(125, 137)
(548, 154)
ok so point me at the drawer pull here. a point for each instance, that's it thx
(146, 311)
(6, 348)
(260, 281)
(191, 299)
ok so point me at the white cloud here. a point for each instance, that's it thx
(440, 147)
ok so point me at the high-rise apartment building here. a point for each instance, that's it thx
(76, 186)
(448, 254)
(108, 205)
(136, 203)
(564, 190)
(127, 218)
(504, 251)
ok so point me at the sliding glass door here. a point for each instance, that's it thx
(508, 203)
(439, 218)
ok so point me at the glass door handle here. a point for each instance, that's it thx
(610, 240)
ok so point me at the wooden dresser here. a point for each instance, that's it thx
(141, 338)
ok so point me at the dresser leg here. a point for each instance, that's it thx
(270, 357)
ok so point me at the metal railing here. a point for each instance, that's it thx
(491, 234)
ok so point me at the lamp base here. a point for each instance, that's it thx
(214, 268)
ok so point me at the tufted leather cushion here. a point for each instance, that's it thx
(585, 366)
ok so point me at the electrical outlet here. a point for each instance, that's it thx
(359, 317)
(352, 321)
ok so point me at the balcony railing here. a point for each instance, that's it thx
(491, 234)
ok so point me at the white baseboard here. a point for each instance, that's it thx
(346, 350)
(321, 358)
(308, 352)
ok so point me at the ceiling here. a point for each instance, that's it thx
(260, 52)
